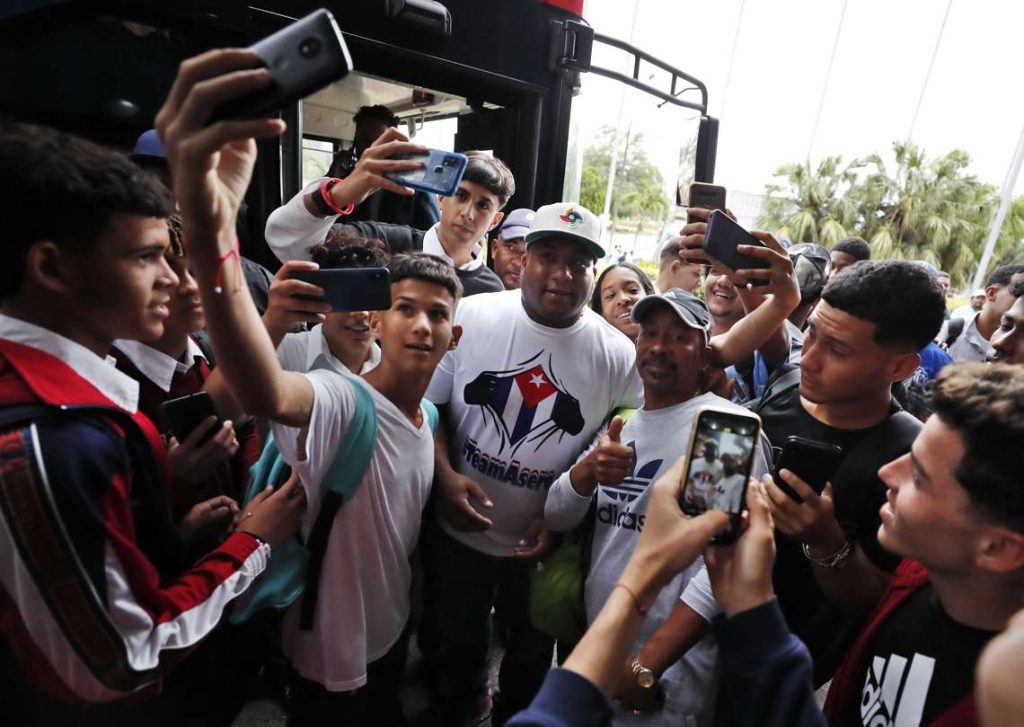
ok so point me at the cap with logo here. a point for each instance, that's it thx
(691, 310)
(568, 219)
(811, 264)
(517, 224)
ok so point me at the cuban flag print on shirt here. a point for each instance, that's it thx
(526, 405)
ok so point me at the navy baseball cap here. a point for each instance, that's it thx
(691, 310)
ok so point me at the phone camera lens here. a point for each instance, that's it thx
(309, 47)
(438, 169)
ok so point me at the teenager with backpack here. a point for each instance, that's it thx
(97, 597)
(346, 634)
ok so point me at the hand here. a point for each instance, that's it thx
(286, 308)
(368, 175)
(457, 492)
(670, 541)
(214, 514)
(779, 276)
(607, 463)
(193, 462)
(211, 166)
(812, 522)
(715, 380)
(275, 515)
(632, 696)
(536, 543)
(741, 573)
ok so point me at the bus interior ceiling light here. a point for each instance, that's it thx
(428, 14)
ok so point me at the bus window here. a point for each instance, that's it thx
(317, 155)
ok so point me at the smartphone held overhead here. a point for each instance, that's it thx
(718, 464)
(440, 174)
(721, 239)
(302, 58)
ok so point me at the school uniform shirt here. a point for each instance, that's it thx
(970, 346)
(127, 593)
(363, 604)
(161, 378)
(523, 401)
(657, 438)
(307, 350)
(432, 245)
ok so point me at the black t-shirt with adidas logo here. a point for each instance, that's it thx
(922, 664)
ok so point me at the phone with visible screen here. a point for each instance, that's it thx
(440, 174)
(351, 289)
(722, 238)
(302, 57)
(184, 414)
(813, 462)
(718, 464)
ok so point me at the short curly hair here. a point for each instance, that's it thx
(984, 403)
(342, 249)
(903, 300)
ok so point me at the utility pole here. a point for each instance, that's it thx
(1004, 206)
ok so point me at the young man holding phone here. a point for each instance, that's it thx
(99, 600)
(349, 663)
(466, 218)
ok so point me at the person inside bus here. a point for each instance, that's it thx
(72, 283)
(419, 211)
(508, 247)
(466, 218)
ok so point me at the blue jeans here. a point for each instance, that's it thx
(461, 586)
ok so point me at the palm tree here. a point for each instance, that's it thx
(812, 205)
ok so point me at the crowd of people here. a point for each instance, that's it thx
(500, 454)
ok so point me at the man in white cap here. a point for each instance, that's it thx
(535, 376)
(509, 246)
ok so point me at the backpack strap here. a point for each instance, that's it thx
(953, 330)
(342, 479)
(785, 379)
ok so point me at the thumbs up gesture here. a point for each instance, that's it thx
(607, 463)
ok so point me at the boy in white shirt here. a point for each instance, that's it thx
(350, 663)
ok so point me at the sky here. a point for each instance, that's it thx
(767, 98)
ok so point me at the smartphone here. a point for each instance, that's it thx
(721, 239)
(349, 289)
(813, 462)
(718, 463)
(441, 172)
(706, 196)
(302, 57)
(181, 416)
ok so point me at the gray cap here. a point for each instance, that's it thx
(517, 224)
(811, 264)
(691, 310)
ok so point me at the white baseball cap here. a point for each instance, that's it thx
(568, 219)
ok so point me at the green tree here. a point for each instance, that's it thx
(638, 192)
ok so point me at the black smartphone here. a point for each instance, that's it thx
(441, 172)
(302, 57)
(704, 195)
(721, 239)
(813, 462)
(349, 289)
(718, 464)
(183, 415)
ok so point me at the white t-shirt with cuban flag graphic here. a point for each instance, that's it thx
(524, 400)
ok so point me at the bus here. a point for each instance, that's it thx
(499, 76)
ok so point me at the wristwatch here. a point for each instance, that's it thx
(644, 676)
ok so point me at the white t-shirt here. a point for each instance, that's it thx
(363, 603)
(524, 400)
(727, 493)
(704, 476)
(658, 438)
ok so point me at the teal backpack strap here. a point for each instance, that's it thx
(342, 479)
(432, 415)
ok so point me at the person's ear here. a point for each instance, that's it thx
(673, 267)
(456, 336)
(991, 292)
(496, 220)
(375, 323)
(51, 268)
(902, 365)
(1000, 550)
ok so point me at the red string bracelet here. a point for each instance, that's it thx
(636, 601)
(222, 261)
(325, 196)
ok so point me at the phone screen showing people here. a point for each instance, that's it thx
(721, 455)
